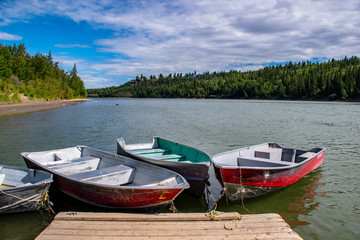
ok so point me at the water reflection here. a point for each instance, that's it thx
(306, 203)
(291, 203)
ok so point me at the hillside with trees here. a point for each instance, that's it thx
(36, 77)
(335, 79)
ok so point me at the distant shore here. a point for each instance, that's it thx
(28, 106)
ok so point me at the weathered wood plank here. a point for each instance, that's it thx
(108, 226)
(160, 225)
(169, 232)
(88, 216)
(287, 235)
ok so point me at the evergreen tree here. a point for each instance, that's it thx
(35, 76)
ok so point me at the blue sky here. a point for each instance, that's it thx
(111, 42)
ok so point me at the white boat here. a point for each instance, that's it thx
(22, 189)
(256, 170)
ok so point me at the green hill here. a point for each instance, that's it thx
(35, 76)
(335, 79)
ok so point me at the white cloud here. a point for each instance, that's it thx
(153, 37)
(212, 35)
(8, 36)
(75, 45)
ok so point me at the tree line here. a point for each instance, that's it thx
(35, 76)
(335, 79)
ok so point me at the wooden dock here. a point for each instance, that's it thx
(93, 226)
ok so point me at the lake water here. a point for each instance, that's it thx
(322, 205)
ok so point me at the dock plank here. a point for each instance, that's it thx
(93, 226)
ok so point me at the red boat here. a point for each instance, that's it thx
(108, 180)
(256, 170)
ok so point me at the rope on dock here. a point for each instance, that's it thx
(238, 219)
(212, 214)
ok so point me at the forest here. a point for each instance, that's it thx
(36, 77)
(331, 80)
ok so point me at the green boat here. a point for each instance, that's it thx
(191, 163)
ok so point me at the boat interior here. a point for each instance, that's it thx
(97, 167)
(162, 149)
(14, 177)
(266, 155)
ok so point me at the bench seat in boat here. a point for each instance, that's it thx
(149, 151)
(245, 162)
(174, 157)
(115, 175)
(70, 166)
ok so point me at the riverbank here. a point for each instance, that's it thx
(27, 106)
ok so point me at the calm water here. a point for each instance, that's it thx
(323, 205)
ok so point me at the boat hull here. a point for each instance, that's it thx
(117, 197)
(242, 182)
(28, 197)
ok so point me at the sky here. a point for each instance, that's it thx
(113, 41)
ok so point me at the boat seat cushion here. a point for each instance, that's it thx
(115, 175)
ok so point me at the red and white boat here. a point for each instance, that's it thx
(108, 180)
(256, 170)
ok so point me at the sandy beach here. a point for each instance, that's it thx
(28, 106)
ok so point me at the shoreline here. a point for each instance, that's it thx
(28, 106)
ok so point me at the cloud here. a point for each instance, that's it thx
(71, 46)
(10, 37)
(153, 37)
(211, 35)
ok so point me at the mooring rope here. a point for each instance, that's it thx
(242, 193)
(173, 208)
(44, 202)
(211, 212)
(214, 206)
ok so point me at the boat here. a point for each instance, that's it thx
(108, 180)
(191, 163)
(22, 189)
(256, 170)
